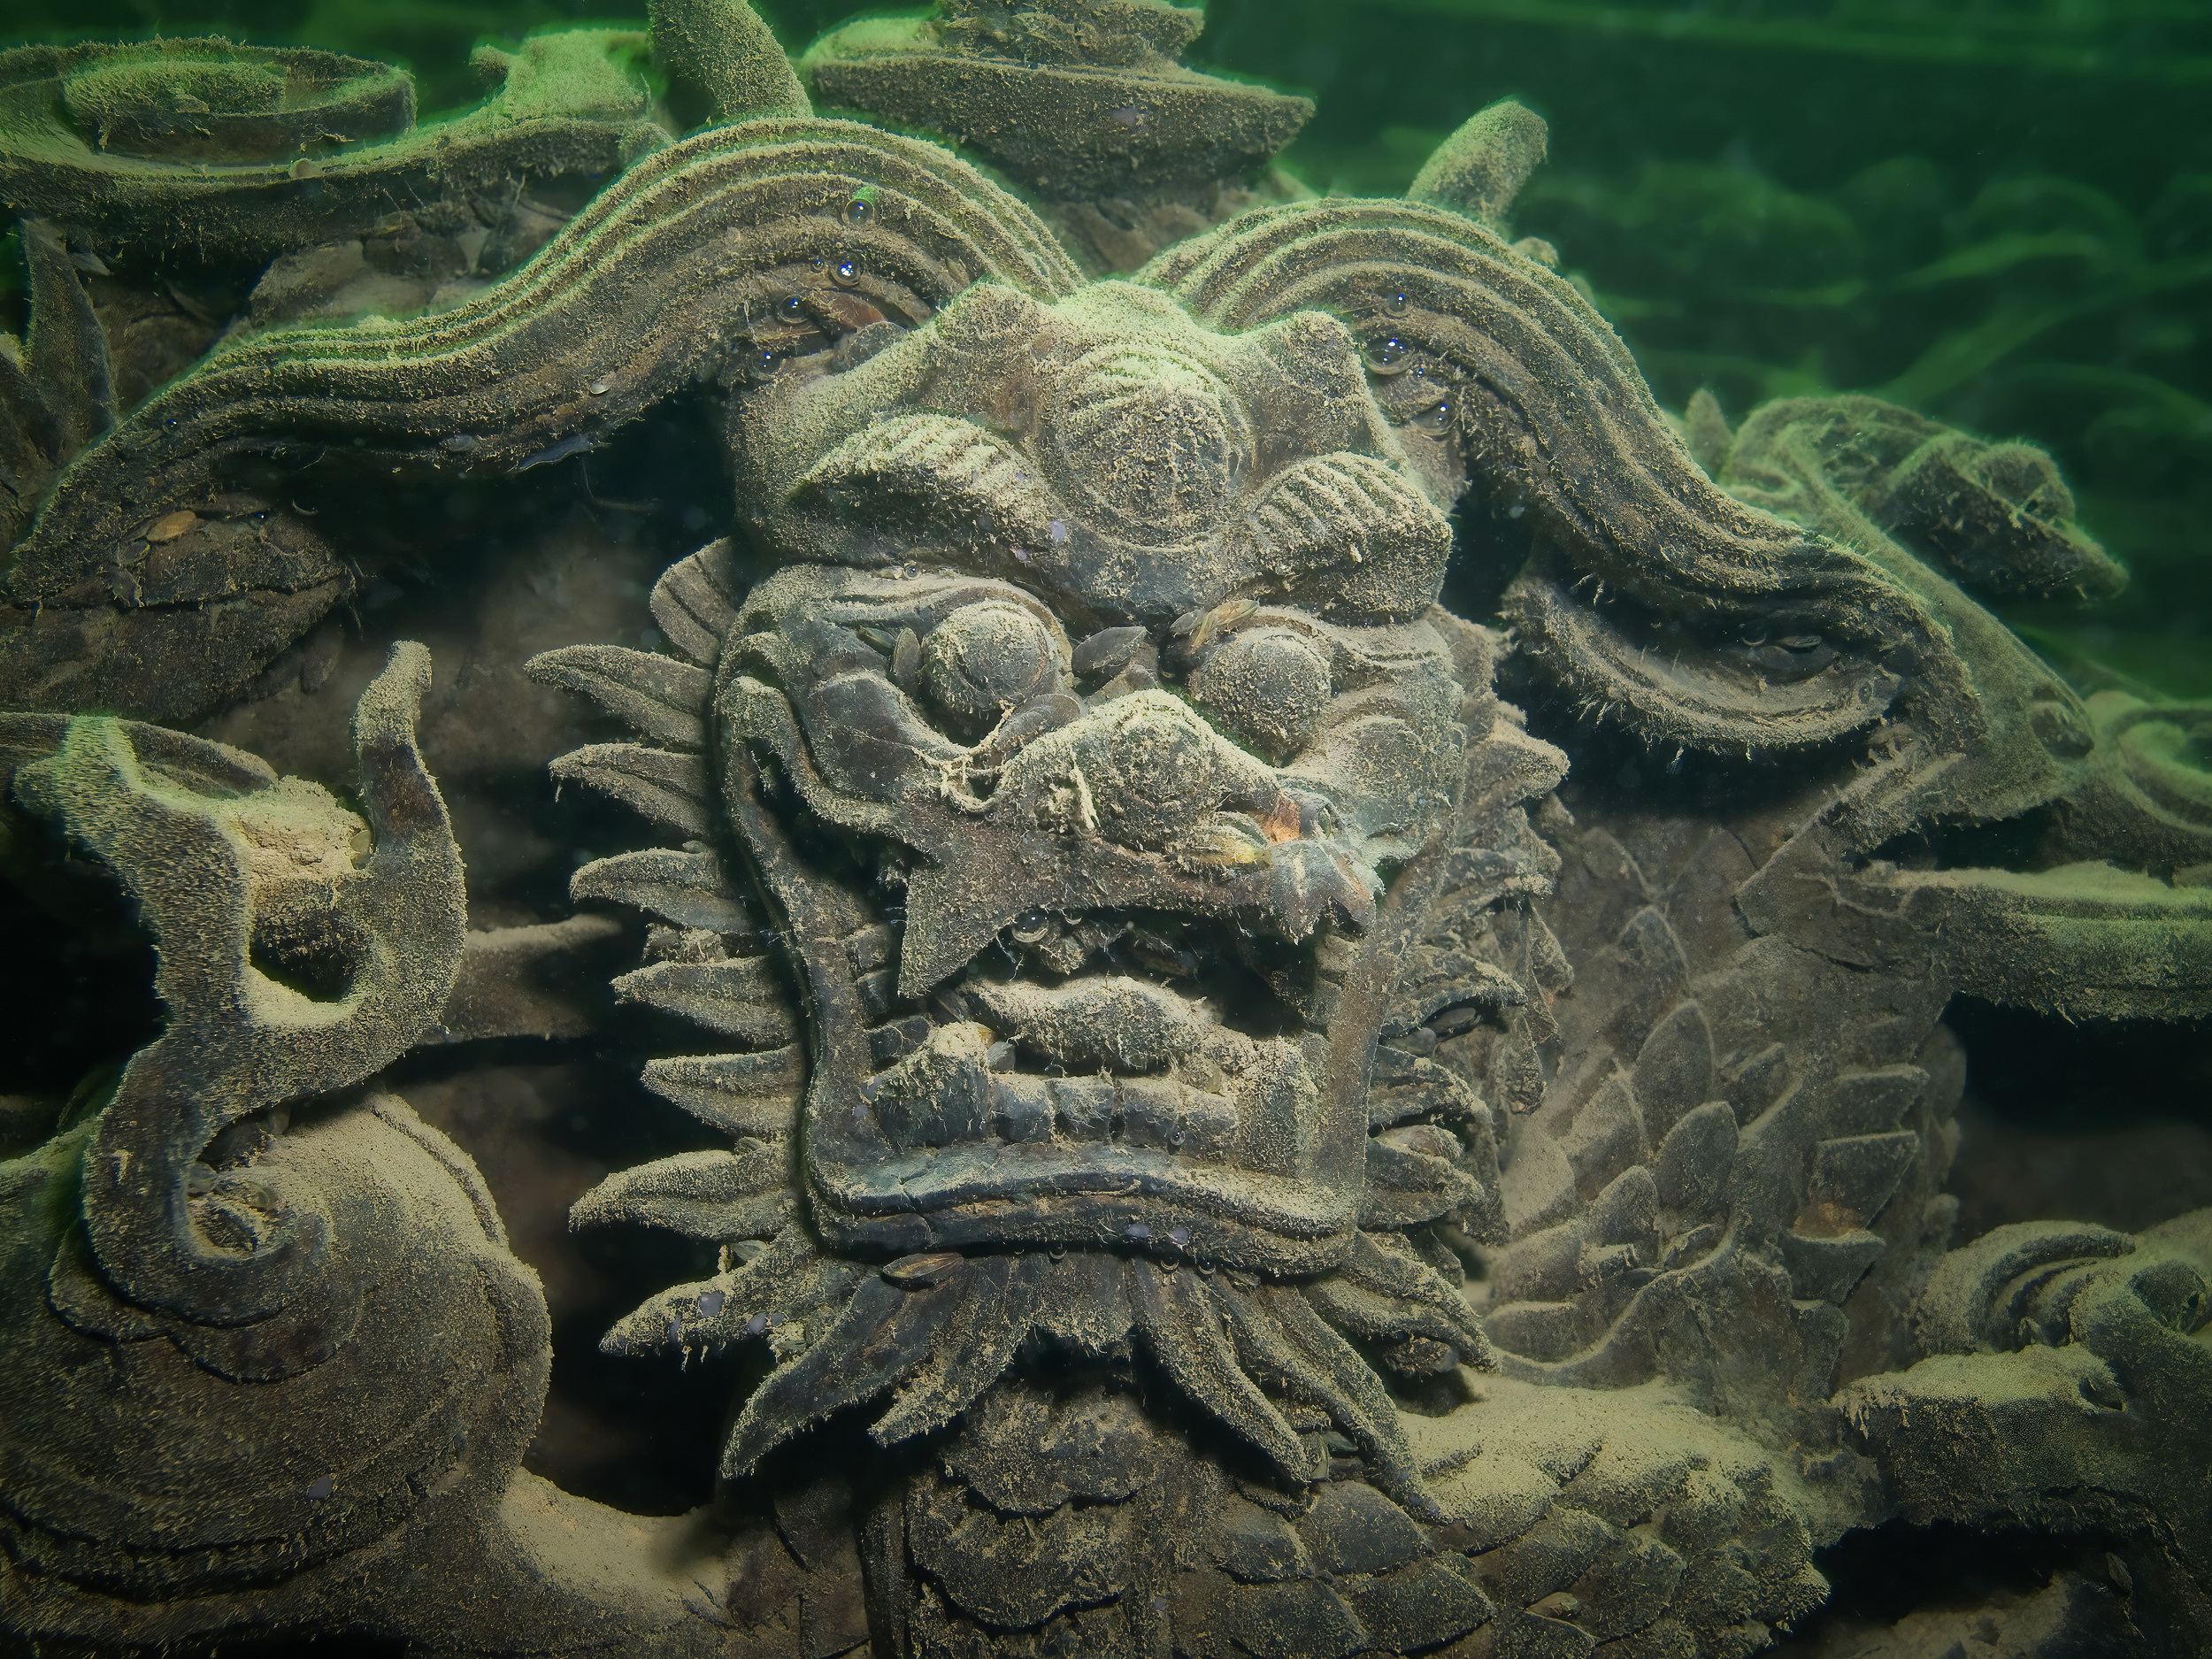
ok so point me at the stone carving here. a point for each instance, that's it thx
(252, 152)
(1234, 1138)
(1080, 102)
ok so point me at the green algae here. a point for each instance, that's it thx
(566, 102)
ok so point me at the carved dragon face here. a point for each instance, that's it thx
(1102, 760)
(1130, 821)
(1125, 696)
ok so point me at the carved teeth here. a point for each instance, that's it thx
(1118, 1022)
(946, 1095)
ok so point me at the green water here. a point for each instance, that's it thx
(1999, 214)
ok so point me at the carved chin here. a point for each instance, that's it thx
(1667, 686)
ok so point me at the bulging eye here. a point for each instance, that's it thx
(986, 659)
(1267, 687)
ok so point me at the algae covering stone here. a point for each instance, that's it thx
(1083, 103)
(252, 151)
(1215, 1131)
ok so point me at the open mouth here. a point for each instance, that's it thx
(2101, 908)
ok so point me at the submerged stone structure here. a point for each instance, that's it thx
(1254, 1114)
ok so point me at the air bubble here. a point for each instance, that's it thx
(1394, 305)
(597, 388)
(859, 211)
(1436, 417)
(1387, 356)
(793, 307)
(846, 273)
(1136, 1233)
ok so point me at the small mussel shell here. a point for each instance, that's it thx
(1027, 723)
(1107, 651)
(920, 1272)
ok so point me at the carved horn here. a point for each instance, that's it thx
(1551, 410)
(651, 287)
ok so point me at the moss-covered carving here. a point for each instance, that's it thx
(1141, 961)
(1085, 105)
(114, 595)
(244, 153)
(287, 973)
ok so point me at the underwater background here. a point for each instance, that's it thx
(1998, 212)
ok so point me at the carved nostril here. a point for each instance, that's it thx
(986, 658)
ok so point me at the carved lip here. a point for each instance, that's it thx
(1196, 1139)
(1085, 1198)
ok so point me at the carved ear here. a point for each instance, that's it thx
(773, 228)
(1655, 596)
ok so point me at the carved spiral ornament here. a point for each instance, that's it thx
(1154, 444)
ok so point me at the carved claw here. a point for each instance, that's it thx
(2068, 1383)
(251, 897)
